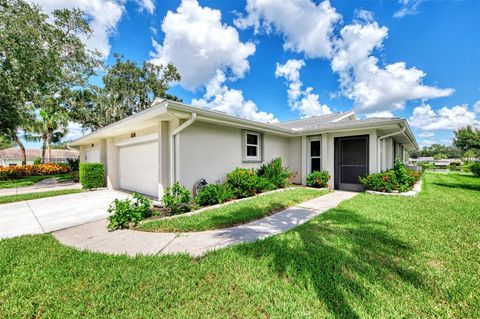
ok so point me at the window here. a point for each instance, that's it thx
(253, 151)
(315, 155)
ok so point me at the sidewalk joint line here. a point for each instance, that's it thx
(169, 242)
(31, 210)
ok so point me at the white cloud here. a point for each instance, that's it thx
(103, 17)
(427, 119)
(427, 142)
(371, 87)
(409, 7)
(379, 114)
(75, 131)
(304, 101)
(476, 107)
(426, 134)
(306, 26)
(148, 5)
(221, 98)
(199, 44)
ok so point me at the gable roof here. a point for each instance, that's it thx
(167, 110)
(16, 153)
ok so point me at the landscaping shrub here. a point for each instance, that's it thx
(178, 199)
(92, 175)
(73, 164)
(275, 173)
(380, 182)
(397, 179)
(243, 182)
(37, 161)
(264, 185)
(214, 194)
(475, 168)
(12, 172)
(318, 179)
(127, 213)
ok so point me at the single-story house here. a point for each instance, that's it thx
(13, 156)
(171, 142)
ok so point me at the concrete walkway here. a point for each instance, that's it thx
(52, 213)
(96, 237)
(42, 186)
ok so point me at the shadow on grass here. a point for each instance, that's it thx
(472, 183)
(343, 255)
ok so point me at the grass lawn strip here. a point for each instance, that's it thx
(30, 180)
(29, 196)
(370, 257)
(234, 214)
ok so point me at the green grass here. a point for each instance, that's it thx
(21, 197)
(30, 180)
(234, 214)
(371, 257)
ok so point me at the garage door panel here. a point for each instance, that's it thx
(138, 168)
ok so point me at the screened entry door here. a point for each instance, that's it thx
(351, 162)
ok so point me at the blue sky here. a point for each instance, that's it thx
(279, 60)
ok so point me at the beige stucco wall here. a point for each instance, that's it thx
(211, 151)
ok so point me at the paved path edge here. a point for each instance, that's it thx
(95, 237)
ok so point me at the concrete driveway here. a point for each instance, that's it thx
(53, 213)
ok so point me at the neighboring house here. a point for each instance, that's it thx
(13, 156)
(440, 163)
(171, 141)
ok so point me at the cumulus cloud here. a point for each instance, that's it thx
(199, 44)
(476, 107)
(103, 17)
(304, 101)
(374, 88)
(387, 114)
(426, 134)
(221, 98)
(305, 26)
(427, 119)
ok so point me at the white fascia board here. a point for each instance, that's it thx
(156, 110)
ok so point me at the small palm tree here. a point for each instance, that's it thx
(50, 126)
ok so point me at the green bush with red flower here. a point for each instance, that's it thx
(318, 179)
(398, 179)
(13, 172)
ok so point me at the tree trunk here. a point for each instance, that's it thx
(44, 146)
(22, 148)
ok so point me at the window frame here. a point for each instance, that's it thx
(309, 152)
(258, 157)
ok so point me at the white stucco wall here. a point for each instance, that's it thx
(211, 151)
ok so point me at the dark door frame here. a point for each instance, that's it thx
(337, 169)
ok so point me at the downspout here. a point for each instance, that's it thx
(173, 135)
(378, 145)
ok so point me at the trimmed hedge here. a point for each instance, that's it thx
(13, 172)
(92, 175)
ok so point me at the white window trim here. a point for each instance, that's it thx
(309, 152)
(257, 158)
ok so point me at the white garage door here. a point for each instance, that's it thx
(92, 156)
(138, 168)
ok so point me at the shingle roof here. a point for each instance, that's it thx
(15, 153)
(333, 120)
(309, 122)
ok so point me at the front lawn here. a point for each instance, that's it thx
(234, 214)
(371, 257)
(21, 197)
(30, 180)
